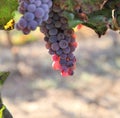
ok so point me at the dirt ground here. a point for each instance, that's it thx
(35, 90)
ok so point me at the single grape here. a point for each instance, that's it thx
(32, 25)
(45, 7)
(48, 45)
(64, 74)
(31, 7)
(45, 17)
(59, 52)
(53, 31)
(67, 50)
(63, 44)
(46, 39)
(51, 52)
(60, 36)
(22, 11)
(45, 1)
(70, 72)
(37, 3)
(23, 5)
(17, 27)
(22, 23)
(70, 56)
(70, 63)
(53, 39)
(50, 26)
(49, 4)
(56, 65)
(31, 1)
(39, 13)
(55, 57)
(58, 24)
(63, 61)
(55, 46)
(56, 17)
(26, 31)
(56, 8)
(29, 16)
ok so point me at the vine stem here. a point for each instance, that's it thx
(9, 38)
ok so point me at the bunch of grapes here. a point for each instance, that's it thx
(60, 41)
(34, 13)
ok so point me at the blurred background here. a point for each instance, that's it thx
(35, 90)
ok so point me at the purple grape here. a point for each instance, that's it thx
(56, 17)
(46, 39)
(64, 68)
(63, 62)
(63, 20)
(22, 11)
(37, 3)
(56, 9)
(70, 63)
(72, 49)
(39, 21)
(49, 21)
(70, 72)
(59, 52)
(51, 52)
(53, 39)
(53, 31)
(29, 16)
(50, 26)
(55, 46)
(31, 1)
(45, 17)
(23, 5)
(45, 1)
(45, 7)
(70, 56)
(31, 7)
(22, 23)
(17, 27)
(32, 25)
(39, 13)
(63, 56)
(51, 15)
(58, 24)
(49, 4)
(63, 44)
(66, 50)
(60, 36)
(26, 31)
(68, 39)
(43, 30)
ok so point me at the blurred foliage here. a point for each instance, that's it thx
(4, 113)
(3, 77)
(7, 8)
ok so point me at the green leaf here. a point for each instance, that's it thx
(74, 23)
(4, 113)
(7, 8)
(71, 19)
(3, 77)
(2, 108)
(69, 15)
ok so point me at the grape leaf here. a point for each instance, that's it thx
(7, 8)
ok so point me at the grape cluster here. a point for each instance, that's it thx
(34, 13)
(60, 40)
